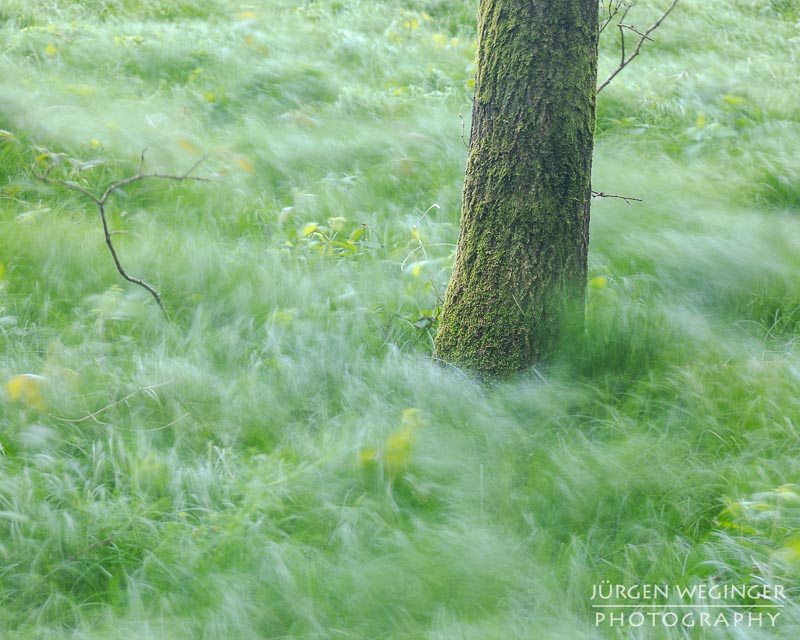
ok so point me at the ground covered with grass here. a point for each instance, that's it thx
(280, 457)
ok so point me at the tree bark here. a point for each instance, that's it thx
(521, 264)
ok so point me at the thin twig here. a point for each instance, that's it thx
(626, 60)
(161, 428)
(630, 27)
(439, 297)
(90, 547)
(463, 139)
(143, 176)
(94, 414)
(627, 199)
(622, 34)
(101, 206)
(118, 264)
(609, 10)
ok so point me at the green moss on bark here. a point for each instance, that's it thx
(521, 262)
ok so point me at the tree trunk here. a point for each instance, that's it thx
(520, 270)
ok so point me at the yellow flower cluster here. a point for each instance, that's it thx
(27, 389)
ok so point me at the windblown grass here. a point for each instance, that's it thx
(281, 458)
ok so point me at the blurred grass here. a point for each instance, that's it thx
(246, 469)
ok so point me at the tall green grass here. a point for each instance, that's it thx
(281, 458)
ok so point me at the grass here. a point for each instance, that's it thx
(281, 458)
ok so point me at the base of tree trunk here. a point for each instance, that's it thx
(521, 264)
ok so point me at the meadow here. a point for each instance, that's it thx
(279, 456)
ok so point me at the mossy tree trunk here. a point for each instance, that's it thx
(521, 263)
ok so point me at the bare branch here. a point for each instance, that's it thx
(609, 10)
(630, 27)
(94, 414)
(101, 206)
(626, 60)
(45, 177)
(90, 547)
(463, 139)
(622, 34)
(141, 162)
(122, 271)
(186, 176)
(163, 176)
(627, 199)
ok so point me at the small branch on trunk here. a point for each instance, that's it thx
(101, 206)
(627, 199)
(609, 10)
(625, 60)
(463, 125)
